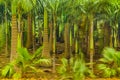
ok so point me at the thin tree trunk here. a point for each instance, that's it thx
(51, 39)
(54, 41)
(29, 31)
(76, 47)
(70, 50)
(118, 32)
(115, 36)
(91, 46)
(106, 34)
(111, 39)
(40, 34)
(22, 41)
(6, 31)
(71, 42)
(33, 38)
(67, 45)
(67, 42)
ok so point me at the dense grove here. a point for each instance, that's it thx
(69, 39)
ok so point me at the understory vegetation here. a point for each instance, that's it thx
(65, 39)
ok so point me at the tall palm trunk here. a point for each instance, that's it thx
(29, 31)
(67, 40)
(51, 39)
(106, 34)
(40, 34)
(115, 36)
(45, 36)
(14, 41)
(71, 42)
(111, 38)
(14, 38)
(6, 31)
(33, 38)
(118, 33)
(67, 45)
(20, 28)
(54, 41)
(91, 40)
(74, 40)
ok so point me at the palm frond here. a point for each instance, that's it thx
(109, 62)
(8, 70)
(37, 53)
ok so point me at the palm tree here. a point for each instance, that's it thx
(52, 7)
(45, 35)
(14, 33)
(103, 7)
(27, 7)
(89, 11)
(109, 10)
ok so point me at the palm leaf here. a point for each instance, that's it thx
(23, 54)
(37, 53)
(8, 70)
(43, 61)
(109, 54)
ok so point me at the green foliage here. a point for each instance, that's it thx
(110, 62)
(77, 66)
(80, 69)
(17, 75)
(23, 59)
(63, 68)
(38, 53)
(23, 54)
(8, 70)
(23, 62)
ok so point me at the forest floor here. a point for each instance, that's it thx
(46, 75)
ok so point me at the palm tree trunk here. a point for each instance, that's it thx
(14, 45)
(51, 39)
(6, 31)
(111, 39)
(45, 36)
(40, 34)
(67, 45)
(33, 38)
(54, 41)
(29, 31)
(67, 42)
(91, 46)
(20, 29)
(118, 33)
(115, 36)
(71, 42)
(14, 39)
(106, 34)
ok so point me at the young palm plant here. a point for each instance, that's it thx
(78, 68)
(24, 61)
(110, 63)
